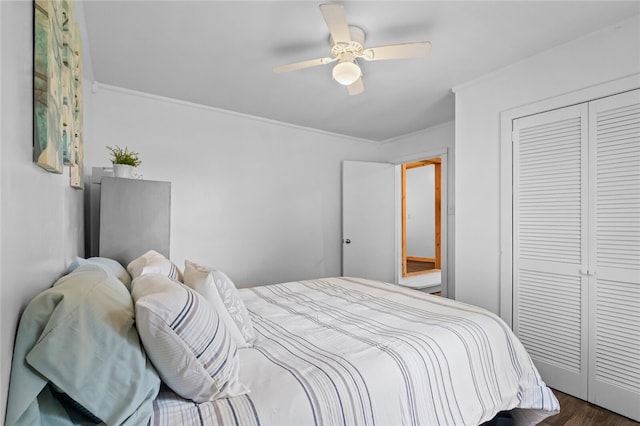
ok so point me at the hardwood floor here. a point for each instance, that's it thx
(413, 266)
(576, 412)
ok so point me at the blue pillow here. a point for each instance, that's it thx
(109, 265)
(80, 337)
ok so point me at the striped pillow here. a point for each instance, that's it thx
(153, 262)
(186, 340)
(221, 292)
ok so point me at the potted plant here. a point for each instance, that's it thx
(123, 161)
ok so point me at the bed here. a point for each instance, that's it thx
(331, 351)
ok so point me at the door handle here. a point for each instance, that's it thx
(347, 241)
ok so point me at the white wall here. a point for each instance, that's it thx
(420, 211)
(257, 199)
(40, 214)
(603, 56)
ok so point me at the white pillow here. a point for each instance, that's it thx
(220, 291)
(153, 262)
(186, 340)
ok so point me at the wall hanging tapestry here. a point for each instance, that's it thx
(57, 89)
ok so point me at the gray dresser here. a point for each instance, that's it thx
(133, 216)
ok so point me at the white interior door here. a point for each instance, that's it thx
(614, 290)
(549, 246)
(368, 220)
(576, 248)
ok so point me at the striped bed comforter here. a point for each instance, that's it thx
(350, 351)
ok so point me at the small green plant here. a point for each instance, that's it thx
(124, 156)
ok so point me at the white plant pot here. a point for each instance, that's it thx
(123, 171)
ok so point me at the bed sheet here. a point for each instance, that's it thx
(350, 351)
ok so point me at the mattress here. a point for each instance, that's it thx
(350, 351)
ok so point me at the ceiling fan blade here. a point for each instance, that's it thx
(302, 65)
(356, 87)
(336, 20)
(398, 51)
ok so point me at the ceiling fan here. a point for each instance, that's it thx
(347, 45)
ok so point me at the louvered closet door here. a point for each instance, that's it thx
(614, 287)
(550, 159)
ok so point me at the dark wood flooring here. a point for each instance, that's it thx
(576, 412)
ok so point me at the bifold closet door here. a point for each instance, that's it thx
(550, 159)
(614, 246)
(576, 248)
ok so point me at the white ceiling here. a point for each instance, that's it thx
(221, 54)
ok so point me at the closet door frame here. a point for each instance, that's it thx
(506, 172)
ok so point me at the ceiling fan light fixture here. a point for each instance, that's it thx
(346, 73)
(347, 46)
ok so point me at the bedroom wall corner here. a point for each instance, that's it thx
(564, 69)
(40, 214)
(258, 199)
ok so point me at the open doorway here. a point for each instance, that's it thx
(371, 199)
(420, 216)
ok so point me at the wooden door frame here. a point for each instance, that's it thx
(436, 162)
